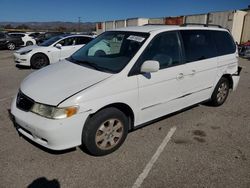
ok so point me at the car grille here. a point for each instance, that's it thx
(23, 102)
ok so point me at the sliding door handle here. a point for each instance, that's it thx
(180, 76)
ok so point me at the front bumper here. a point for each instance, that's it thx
(22, 59)
(53, 134)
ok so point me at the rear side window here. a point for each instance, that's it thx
(198, 45)
(224, 43)
(83, 40)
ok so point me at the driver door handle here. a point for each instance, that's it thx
(193, 72)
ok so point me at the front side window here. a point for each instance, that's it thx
(110, 51)
(68, 41)
(198, 45)
(164, 48)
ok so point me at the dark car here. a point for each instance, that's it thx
(45, 36)
(10, 42)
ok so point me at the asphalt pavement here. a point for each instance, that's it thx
(200, 147)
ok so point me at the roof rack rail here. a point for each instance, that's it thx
(153, 24)
(200, 24)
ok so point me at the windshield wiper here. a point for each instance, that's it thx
(92, 65)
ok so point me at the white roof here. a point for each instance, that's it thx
(161, 28)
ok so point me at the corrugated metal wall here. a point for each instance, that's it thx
(224, 19)
(120, 23)
(137, 21)
(174, 20)
(156, 21)
(231, 20)
(198, 18)
(109, 25)
(100, 27)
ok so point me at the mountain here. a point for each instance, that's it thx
(50, 26)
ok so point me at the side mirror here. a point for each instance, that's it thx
(58, 45)
(150, 66)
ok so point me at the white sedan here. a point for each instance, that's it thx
(50, 51)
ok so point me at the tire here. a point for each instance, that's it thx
(11, 46)
(220, 92)
(105, 131)
(100, 53)
(29, 43)
(38, 61)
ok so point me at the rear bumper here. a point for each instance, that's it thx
(236, 78)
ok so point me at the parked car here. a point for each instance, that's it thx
(244, 50)
(9, 42)
(47, 35)
(50, 51)
(26, 38)
(34, 34)
(94, 99)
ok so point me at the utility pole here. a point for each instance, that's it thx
(79, 22)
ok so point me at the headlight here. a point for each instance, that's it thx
(25, 52)
(54, 112)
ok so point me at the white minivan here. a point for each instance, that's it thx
(97, 95)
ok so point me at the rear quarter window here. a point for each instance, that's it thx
(224, 43)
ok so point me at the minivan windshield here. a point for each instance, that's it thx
(50, 41)
(111, 51)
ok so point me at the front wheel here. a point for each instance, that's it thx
(220, 93)
(105, 131)
(38, 61)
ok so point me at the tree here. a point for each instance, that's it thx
(61, 29)
(22, 26)
(8, 26)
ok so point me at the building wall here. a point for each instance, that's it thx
(238, 22)
(246, 28)
(199, 18)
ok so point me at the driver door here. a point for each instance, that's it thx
(160, 92)
(68, 47)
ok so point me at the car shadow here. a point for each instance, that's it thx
(43, 182)
(22, 67)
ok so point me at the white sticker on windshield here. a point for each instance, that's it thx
(136, 38)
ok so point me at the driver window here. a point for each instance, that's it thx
(164, 48)
(68, 41)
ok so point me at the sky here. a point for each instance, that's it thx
(104, 10)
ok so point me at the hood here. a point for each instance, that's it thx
(27, 48)
(56, 82)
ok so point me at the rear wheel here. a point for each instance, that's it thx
(105, 131)
(220, 93)
(38, 61)
(11, 46)
(29, 43)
